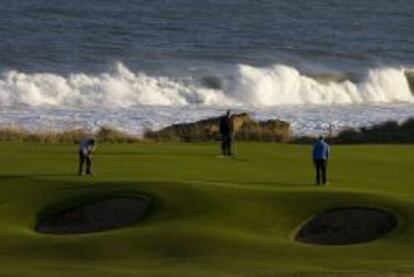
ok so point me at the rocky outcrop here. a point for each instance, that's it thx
(245, 128)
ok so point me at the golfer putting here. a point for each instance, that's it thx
(86, 148)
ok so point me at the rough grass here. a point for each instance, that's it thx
(386, 132)
(104, 134)
(212, 216)
(389, 132)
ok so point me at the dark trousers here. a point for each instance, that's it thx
(226, 141)
(321, 167)
(82, 159)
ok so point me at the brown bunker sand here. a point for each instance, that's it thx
(342, 226)
(96, 216)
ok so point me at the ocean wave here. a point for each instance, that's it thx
(244, 86)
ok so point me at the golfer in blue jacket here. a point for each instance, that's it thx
(321, 154)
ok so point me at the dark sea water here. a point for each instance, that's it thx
(145, 64)
(85, 36)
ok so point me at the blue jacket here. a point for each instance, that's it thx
(320, 150)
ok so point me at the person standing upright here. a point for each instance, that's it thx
(226, 132)
(321, 153)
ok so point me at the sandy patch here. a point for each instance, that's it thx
(343, 226)
(99, 215)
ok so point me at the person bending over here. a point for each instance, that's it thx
(226, 132)
(86, 148)
(321, 154)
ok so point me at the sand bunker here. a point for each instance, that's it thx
(343, 226)
(99, 215)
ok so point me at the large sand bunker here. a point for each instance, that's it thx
(343, 226)
(98, 215)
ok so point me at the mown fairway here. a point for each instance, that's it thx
(211, 216)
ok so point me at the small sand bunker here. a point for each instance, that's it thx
(99, 215)
(343, 226)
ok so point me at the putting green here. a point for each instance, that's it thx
(210, 216)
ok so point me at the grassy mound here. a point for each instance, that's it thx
(214, 216)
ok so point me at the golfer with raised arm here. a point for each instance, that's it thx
(321, 153)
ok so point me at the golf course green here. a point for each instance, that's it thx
(208, 215)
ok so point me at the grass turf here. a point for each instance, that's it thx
(211, 216)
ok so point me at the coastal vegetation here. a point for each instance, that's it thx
(103, 135)
(386, 132)
(245, 129)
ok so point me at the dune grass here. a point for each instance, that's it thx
(103, 135)
(211, 216)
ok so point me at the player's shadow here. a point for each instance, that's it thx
(21, 176)
(298, 183)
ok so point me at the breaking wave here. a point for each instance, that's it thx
(244, 86)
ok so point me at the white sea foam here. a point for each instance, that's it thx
(134, 102)
(244, 86)
(283, 85)
(122, 88)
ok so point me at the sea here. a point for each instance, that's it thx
(136, 65)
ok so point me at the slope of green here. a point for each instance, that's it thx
(211, 216)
